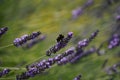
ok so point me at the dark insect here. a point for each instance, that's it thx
(60, 38)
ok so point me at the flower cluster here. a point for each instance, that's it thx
(23, 39)
(4, 72)
(3, 30)
(78, 77)
(36, 68)
(115, 41)
(61, 44)
(39, 67)
(82, 54)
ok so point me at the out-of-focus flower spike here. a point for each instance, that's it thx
(3, 30)
(114, 42)
(77, 12)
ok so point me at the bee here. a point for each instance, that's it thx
(60, 38)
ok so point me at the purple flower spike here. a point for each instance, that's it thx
(70, 34)
(25, 38)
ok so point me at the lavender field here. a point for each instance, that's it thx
(59, 39)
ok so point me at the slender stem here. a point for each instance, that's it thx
(6, 46)
(12, 78)
(13, 68)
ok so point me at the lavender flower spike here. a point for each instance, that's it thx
(114, 42)
(61, 44)
(25, 38)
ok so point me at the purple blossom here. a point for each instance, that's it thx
(61, 59)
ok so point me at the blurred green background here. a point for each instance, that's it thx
(54, 17)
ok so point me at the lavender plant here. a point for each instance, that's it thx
(72, 54)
